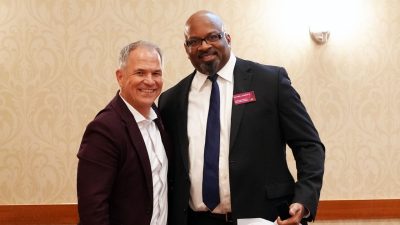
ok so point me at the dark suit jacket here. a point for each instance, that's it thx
(259, 175)
(114, 173)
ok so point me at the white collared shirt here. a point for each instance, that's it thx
(199, 96)
(158, 161)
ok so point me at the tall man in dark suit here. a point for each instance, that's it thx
(122, 169)
(259, 113)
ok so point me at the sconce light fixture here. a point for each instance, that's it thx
(320, 19)
(319, 36)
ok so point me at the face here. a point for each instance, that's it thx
(140, 80)
(209, 57)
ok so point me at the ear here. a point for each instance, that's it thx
(119, 75)
(228, 38)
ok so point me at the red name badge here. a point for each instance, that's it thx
(244, 97)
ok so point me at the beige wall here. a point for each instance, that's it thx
(58, 57)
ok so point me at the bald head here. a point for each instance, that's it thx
(204, 17)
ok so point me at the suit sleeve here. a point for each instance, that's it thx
(97, 168)
(302, 137)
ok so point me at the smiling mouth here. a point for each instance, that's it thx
(148, 91)
(207, 57)
(207, 54)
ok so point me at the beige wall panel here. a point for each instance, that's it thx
(58, 58)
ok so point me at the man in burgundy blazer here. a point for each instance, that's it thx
(114, 182)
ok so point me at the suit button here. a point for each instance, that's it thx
(148, 211)
(185, 210)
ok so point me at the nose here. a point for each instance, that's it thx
(149, 79)
(206, 44)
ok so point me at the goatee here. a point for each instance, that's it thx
(209, 68)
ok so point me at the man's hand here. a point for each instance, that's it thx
(297, 212)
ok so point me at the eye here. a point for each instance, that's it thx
(157, 74)
(139, 73)
(191, 42)
(213, 37)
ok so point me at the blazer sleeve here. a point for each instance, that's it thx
(97, 168)
(302, 137)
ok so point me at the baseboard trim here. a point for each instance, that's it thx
(359, 209)
(38, 214)
(328, 210)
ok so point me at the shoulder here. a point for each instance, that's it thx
(178, 91)
(260, 73)
(256, 67)
(181, 85)
(107, 121)
(102, 138)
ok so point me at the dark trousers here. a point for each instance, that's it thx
(206, 218)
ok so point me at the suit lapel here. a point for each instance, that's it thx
(242, 79)
(164, 136)
(182, 109)
(141, 150)
(137, 140)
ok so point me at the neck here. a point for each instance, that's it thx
(144, 111)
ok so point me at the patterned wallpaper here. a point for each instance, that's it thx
(58, 58)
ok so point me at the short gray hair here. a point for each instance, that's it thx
(123, 56)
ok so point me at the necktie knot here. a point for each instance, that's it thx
(213, 78)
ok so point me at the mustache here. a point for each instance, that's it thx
(208, 52)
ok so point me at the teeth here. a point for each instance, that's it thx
(147, 90)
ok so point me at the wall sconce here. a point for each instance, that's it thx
(320, 20)
(319, 36)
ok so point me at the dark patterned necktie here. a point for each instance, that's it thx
(211, 149)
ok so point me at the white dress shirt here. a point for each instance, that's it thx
(199, 96)
(158, 161)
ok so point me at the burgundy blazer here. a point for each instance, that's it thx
(114, 181)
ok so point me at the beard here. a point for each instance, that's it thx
(209, 68)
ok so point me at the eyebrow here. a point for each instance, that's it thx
(208, 34)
